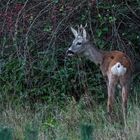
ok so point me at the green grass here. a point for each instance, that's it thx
(33, 69)
(53, 122)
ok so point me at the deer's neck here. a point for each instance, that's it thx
(93, 54)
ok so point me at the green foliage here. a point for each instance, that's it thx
(31, 132)
(86, 132)
(35, 36)
(55, 95)
(6, 133)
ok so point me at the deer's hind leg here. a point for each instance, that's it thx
(125, 84)
(112, 81)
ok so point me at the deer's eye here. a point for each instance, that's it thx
(79, 43)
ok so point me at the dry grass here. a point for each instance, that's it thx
(66, 123)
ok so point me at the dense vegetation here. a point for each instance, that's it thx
(35, 77)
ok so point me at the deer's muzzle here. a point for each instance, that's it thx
(69, 53)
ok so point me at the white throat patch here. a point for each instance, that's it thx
(118, 69)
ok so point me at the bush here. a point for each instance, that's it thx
(35, 36)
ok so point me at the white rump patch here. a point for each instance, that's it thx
(118, 69)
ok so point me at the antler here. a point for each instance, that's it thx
(81, 30)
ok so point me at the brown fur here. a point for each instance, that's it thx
(111, 58)
(106, 60)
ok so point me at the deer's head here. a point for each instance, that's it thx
(78, 46)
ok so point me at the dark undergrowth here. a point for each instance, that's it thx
(37, 82)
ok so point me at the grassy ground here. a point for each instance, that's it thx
(56, 123)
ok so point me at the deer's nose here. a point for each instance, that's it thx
(69, 52)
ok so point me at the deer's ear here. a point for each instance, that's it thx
(75, 33)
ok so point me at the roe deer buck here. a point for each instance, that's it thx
(115, 66)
